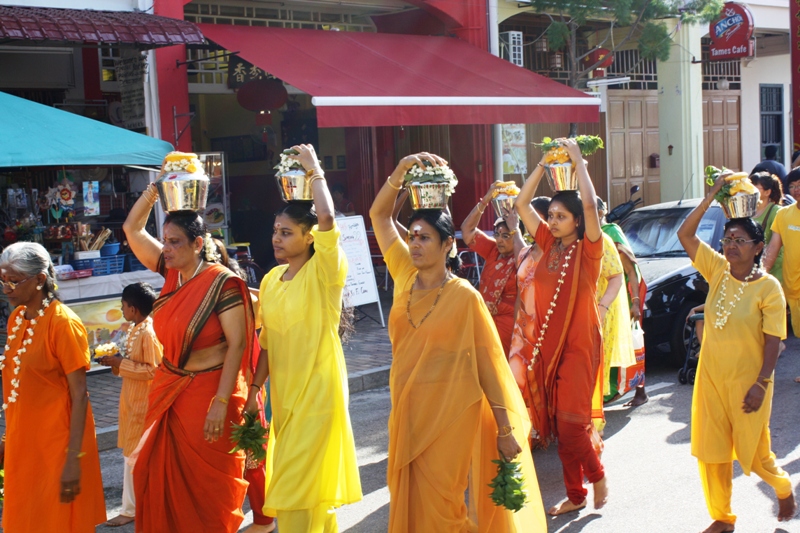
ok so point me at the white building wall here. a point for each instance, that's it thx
(763, 70)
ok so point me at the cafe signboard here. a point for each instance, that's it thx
(731, 33)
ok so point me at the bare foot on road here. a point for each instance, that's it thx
(719, 527)
(639, 398)
(787, 508)
(600, 493)
(566, 507)
(119, 520)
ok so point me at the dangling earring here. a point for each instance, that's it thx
(39, 287)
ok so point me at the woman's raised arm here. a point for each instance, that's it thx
(323, 203)
(144, 246)
(530, 218)
(586, 188)
(687, 233)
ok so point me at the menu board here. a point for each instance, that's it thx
(360, 287)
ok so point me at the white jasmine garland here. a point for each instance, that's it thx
(722, 313)
(210, 249)
(288, 163)
(433, 174)
(23, 348)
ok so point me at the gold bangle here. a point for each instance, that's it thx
(79, 454)
(762, 386)
(481, 207)
(392, 185)
(765, 380)
(314, 178)
(509, 430)
(221, 399)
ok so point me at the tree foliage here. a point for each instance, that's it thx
(644, 21)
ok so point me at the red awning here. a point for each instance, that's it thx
(381, 79)
(94, 27)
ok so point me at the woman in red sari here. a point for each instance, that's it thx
(567, 354)
(499, 252)
(185, 479)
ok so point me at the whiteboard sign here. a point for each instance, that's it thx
(360, 287)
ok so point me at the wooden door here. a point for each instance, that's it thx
(632, 138)
(721, 136)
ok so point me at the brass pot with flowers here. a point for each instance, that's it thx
(559, 167)
(430, 188)
(503, 197)
(184, 185)
(738, 196)
(293, 180)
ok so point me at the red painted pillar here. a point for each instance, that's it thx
(794, 9)
(173, 83)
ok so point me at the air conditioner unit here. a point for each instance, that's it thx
(511, 47)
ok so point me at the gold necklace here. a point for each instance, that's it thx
(411, 293)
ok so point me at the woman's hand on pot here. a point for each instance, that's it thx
(572, 148)
(307, 156)
(408, 162)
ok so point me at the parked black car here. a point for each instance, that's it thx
(674, 286)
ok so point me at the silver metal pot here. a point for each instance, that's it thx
(503, 201)
(183, 191)
(294, 186)
(562, 177)
(740, 206)
(428, 195)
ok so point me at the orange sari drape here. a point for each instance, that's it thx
(566, 373)
(182, 481)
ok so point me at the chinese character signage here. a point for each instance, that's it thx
(241, 72)
(130, 74)
(731, 33)
(515, 149)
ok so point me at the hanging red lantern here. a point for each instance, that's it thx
(603, 55)
(262, 95)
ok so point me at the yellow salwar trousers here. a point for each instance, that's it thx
(794, 307)
(717, 479)
(321, 519)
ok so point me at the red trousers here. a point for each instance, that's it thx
(255, 493)
(578, 459)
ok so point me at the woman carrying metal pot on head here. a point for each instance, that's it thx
(311, 464)
(498, 285)
(455, 405)
(745, 317)
(204, 320)
(567, 355)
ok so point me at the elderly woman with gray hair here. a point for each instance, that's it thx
(49, 450)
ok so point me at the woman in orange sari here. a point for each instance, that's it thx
(184, 476)
(455, 406)
(52, 469)
(567, 356)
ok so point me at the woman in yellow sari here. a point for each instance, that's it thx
(455, 403)
(732, 401)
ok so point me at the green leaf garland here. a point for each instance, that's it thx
(250, 437)
(507, 486)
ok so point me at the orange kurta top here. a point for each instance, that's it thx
(442, 432)
(37, 429)
(137, 371)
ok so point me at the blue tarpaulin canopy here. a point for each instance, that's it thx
(35, 135)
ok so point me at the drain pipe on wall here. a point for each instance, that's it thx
(494, 49)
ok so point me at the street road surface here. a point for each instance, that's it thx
(653, 479)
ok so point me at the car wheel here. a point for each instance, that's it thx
(682, 376)
(681, 335)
